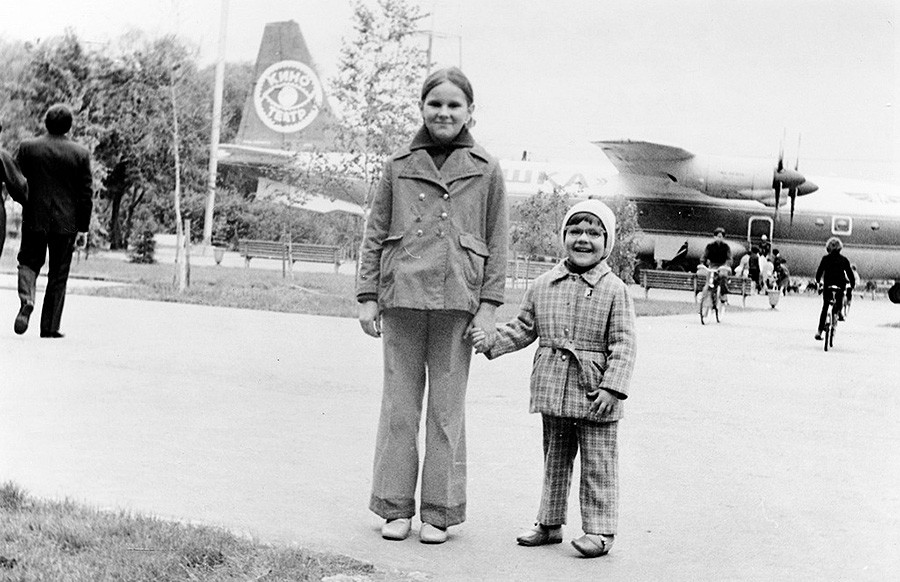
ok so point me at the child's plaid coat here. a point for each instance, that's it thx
(587, 341)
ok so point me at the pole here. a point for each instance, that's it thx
(216, 128)
(180, 258)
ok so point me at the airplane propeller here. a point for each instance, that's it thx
(787, 178)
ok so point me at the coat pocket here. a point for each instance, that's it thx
(477, 252)
(591, 368)
(389, 247)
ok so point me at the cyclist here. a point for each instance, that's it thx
(718, 254)
(834, 269)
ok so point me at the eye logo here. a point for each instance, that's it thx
(287, 96)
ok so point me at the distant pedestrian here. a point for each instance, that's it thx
(13, 180)
(56, 215)
(764, 246)
(583, 317)
(754, 269)
(432, 265)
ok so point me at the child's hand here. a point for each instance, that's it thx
(480, 340)
(603, 401)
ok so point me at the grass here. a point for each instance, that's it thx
(66, 542)
(311, 293)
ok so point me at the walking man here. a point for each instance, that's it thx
(56, 216)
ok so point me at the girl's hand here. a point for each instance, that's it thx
(603, 401)
(479, 339)
(370, 318)
(485, 320)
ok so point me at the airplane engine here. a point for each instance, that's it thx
(731, 178)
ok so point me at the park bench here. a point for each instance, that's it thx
(681, 281)
(289, 252)
(525, 271)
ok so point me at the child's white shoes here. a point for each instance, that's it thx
(593, 545)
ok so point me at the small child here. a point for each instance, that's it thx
(584, 318)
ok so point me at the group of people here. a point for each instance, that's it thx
(50, 176)
(766, 267)
(834, 270)
(431, 275)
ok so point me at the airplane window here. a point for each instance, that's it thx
(841, 225)
(875, 226)
(820, 222)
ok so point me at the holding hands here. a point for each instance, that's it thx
(480, 340)
(481, 331)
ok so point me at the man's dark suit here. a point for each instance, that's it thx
(59, 207)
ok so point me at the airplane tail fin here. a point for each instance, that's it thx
(287, 108)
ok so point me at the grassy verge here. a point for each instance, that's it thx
(66, 542)
(311, 293)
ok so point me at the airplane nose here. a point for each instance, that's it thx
(789, 177)
(806, 187)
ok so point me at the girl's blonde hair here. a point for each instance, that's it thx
(833, 244)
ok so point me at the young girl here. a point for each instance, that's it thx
(584, 318)
(432, 265)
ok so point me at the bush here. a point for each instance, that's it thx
(142, 246)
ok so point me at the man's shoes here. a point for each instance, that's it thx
(431, 534)
(396, 529)
(593, 545)
(819, 336)
(53, 334)
(21, 324)
(540, 535)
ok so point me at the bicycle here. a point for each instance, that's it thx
(712, 298)
(831, 318)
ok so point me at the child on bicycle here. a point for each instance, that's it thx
(834, 269)
(584, 318)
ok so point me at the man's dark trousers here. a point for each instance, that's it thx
(34, 249)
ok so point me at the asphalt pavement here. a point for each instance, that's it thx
(747, 452)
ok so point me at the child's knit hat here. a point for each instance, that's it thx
(602, 212)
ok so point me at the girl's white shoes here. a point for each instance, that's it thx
(396, 529)
(430, 534)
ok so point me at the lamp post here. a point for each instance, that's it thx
(216, 128)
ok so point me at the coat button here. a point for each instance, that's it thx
(440, 233)
(422, 196)
(443, 216)
(446, 196)
(419, 232)
(562, 357)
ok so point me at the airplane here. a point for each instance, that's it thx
(680, 196)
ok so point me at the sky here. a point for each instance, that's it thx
(734, 78)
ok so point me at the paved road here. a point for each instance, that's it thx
(769, 461)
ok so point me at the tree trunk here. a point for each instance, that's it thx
(115, 236)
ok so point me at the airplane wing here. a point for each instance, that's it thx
(641, 157)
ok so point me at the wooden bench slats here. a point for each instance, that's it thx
(288, 252)
(681, 281)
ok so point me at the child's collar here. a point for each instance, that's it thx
(591, 276)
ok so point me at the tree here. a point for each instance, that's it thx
(624, 252)
(381, 70)
(131, 116)
(538, 220)
(536, 223)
